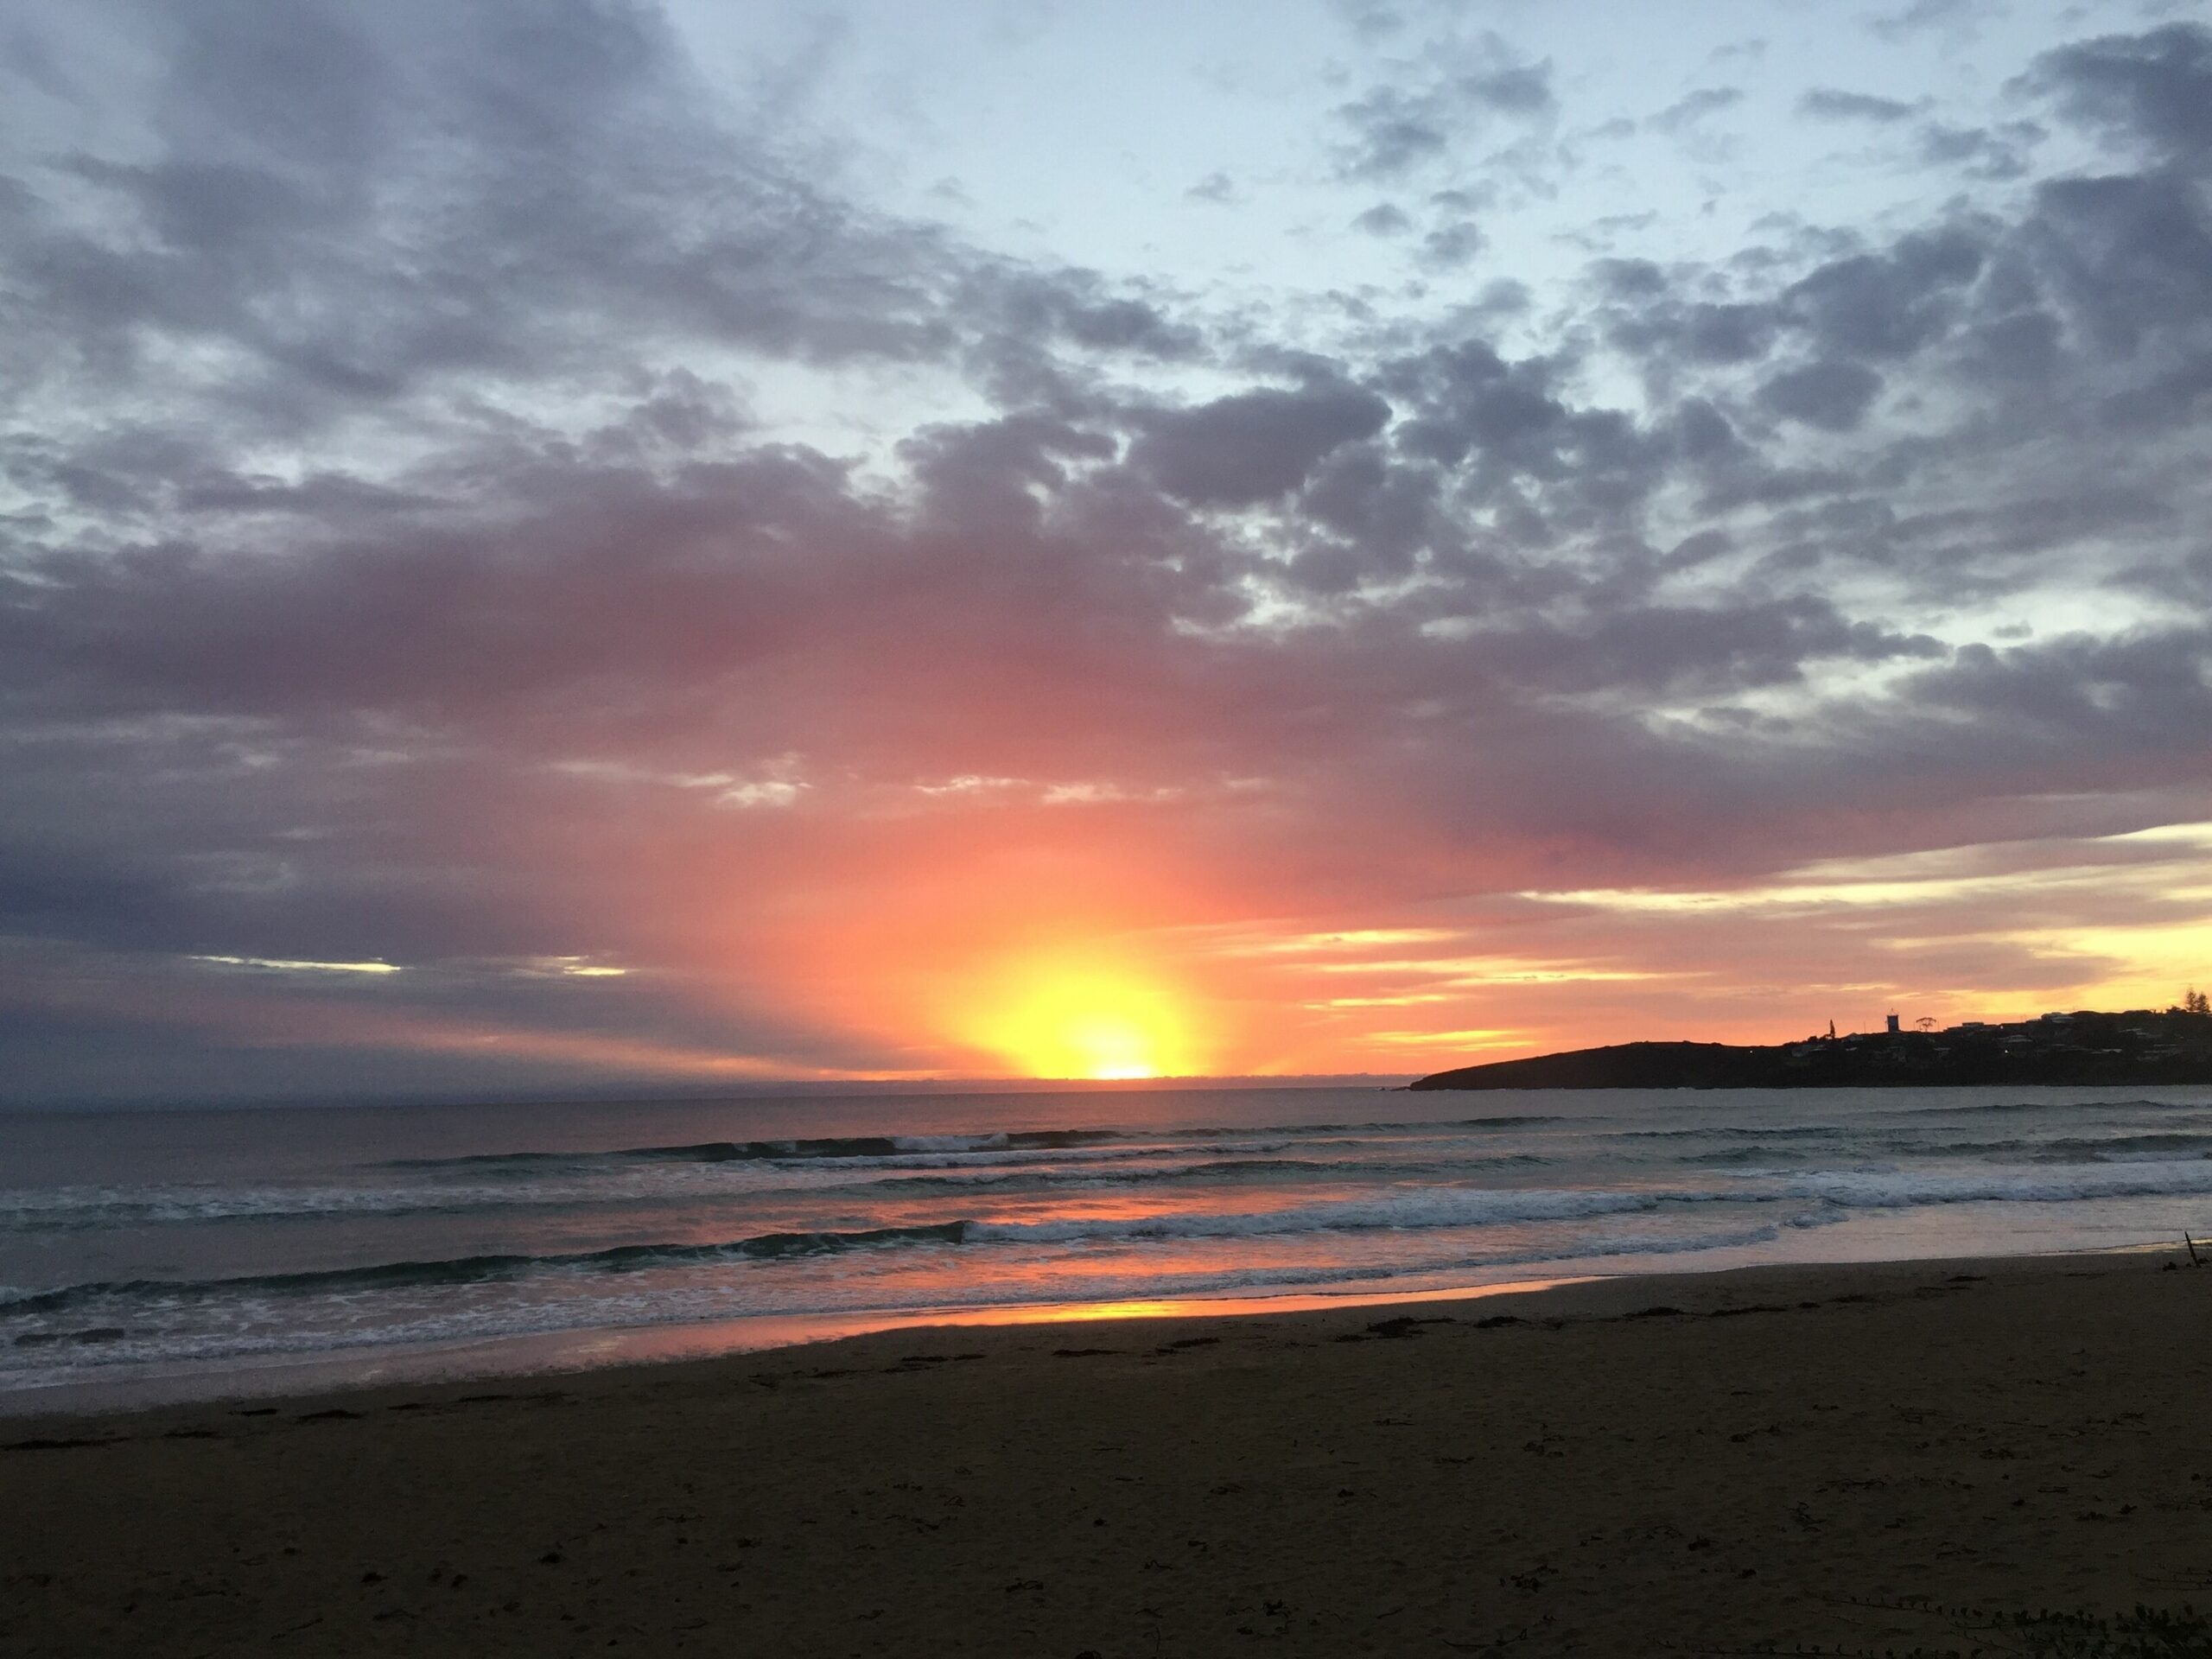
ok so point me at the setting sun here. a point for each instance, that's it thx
(1058, 1019)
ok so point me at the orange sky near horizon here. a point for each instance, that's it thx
(1061, 943)
(1568, 968)
(1050, 963)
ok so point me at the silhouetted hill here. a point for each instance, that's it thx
(2087, 1048)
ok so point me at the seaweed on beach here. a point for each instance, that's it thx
(2143, 1633)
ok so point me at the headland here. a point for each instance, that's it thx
(2085, 1049)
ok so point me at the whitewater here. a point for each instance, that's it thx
(219, 1245)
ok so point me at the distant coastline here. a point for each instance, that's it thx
(2086, 1048)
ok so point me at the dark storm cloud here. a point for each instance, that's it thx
(401, 562)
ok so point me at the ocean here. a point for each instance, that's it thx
(160, 1255)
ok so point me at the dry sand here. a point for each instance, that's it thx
(1774, 1463)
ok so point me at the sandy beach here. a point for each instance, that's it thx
(1830, 1455)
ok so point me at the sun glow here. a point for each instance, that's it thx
(1061, 1020)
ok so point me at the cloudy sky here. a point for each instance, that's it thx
(577, 544)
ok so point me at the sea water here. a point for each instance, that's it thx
(208, 1248)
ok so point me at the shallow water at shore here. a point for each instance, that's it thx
(137, 1245)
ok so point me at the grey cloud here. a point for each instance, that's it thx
(1372, 19)
(1727, 333)
(1384, 511)
(2038, 522)
(1996, 153)
(1383, 219)
(1079, 309)
(1471, 398)
(1394, 128)
(1254, 445)
(2147, 694)
(1452, 245)
(1880, 306)
(1702, 332)
(359, 202)
(1892, 304)
(2130, 254)
(1704, 433)
(1391, 133)
(985, 473)
(1832, 396)
(1631, 279)
(1523, 89)
(1510, 427)
(2155, 89)
(1499, 301)
(2025, 347)
(1712, 651)
(1922, 15)
(1833, 103)
(1694, 107)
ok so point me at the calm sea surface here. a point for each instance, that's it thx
(205, 1249)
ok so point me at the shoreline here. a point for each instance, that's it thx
(594, 1351)
(591, 1350)
(1766, 1454)
(639, 1356)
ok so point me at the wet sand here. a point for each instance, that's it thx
(1831, 1455)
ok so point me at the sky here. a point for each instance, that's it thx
(585, 545)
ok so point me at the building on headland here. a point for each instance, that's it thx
(1893, 1025)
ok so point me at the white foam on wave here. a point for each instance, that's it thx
(70, 1209)
(1879, 1186)
(1445, 1207)
(79, 1208)
(987, 1158)
(1460, 1206)
(355, 1321)
(1892, 1189)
